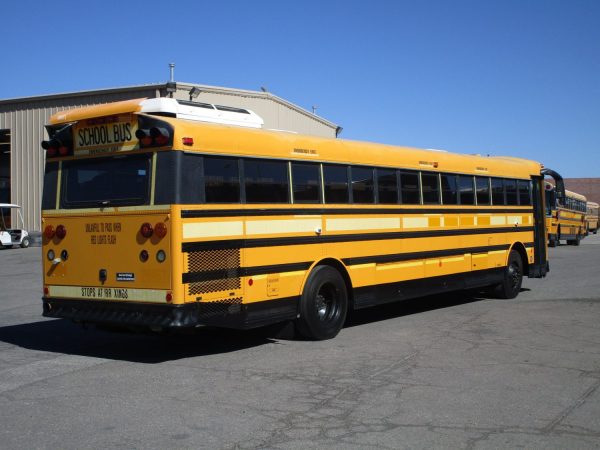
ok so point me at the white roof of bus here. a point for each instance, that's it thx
(202, 112)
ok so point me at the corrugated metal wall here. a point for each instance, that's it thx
(26, 118)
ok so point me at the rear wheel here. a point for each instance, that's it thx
(513, 277)
(577, 240)
(323, 305)
(26, 242)
(552, 241)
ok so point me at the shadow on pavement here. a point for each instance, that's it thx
(63, 336)
(413, 306)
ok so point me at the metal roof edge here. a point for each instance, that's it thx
(82, 93)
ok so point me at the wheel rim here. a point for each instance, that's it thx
(327, 304)
(514, 275)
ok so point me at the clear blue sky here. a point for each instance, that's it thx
(506, 77)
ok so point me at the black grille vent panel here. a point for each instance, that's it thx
(226, 262)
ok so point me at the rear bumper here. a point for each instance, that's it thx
(218, 314)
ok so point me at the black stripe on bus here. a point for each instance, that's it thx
(338, 238)
(398, 257)
(208, 275)
(189, 214)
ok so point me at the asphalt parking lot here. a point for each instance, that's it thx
(440, 372)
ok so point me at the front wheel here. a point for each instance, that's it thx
(513, 277)
(552, 242)
(323, 305)
(26, 242)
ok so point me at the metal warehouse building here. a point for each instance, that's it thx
(22, 129)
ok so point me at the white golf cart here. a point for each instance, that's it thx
(10, 237)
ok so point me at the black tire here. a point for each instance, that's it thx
(26, 242)
(513, 277)
(323, 305)
(577, 240)
(552, 241)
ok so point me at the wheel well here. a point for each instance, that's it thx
(520, 248)
(344, 272)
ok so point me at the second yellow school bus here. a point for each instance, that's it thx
(592, 217)
(155, 217)
(565, 216)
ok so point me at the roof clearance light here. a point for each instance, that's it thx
(146, 230)
(61, 231)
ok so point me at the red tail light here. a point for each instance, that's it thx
(160, 135)
(61, 231)
(146, 230)
(144, 137)
(160, 230)
(49, 231)
(187, 141)
(56, 147)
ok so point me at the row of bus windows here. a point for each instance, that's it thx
(235, 180)
(575, 205)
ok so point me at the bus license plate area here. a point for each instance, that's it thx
(105, 135)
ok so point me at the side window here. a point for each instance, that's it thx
(221, 180)
(387, 186)
(305, 182)
(362, 185)
(336, 183)
(497, 191)
(482, 189)
(409, 187)
(524, 192)
(465, 187)
(431, 188)
(511, 192)
(449, 189)
(266, 181)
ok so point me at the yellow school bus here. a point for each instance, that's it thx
(565, 216)
(162, 213)
(592, 217)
